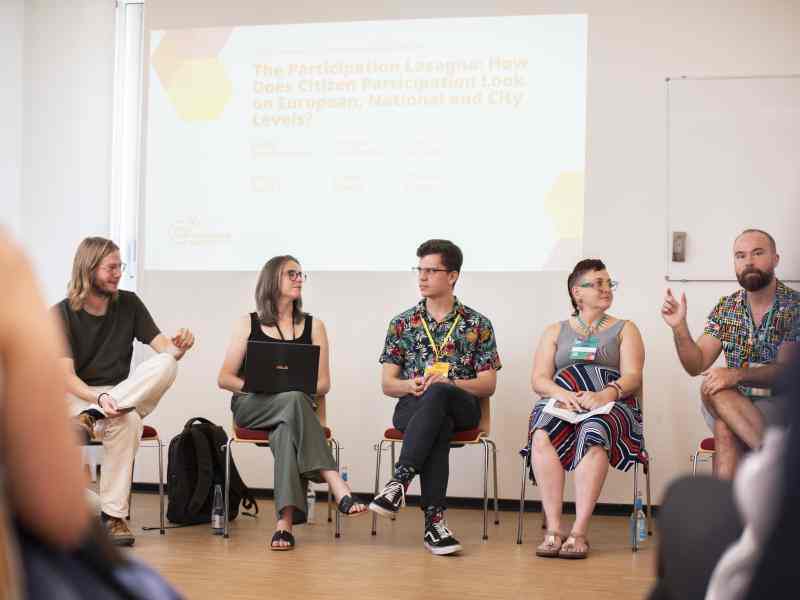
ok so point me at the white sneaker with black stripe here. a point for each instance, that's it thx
(438, 538)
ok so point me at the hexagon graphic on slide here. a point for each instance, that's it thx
(188, 68)
(200, 89)
(563, 203)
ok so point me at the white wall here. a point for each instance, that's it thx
(66, 125)
(12, 35)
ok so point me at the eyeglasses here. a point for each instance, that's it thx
(119, 268)
(599, 284)
(428, 271)
(296, 275)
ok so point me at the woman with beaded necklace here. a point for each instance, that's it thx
(590, 345)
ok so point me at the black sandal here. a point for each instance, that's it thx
(282, 536)
(346, 503)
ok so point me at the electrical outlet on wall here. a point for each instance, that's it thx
(678, 246)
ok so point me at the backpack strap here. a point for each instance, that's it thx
(205, 469)
(219, 439)
(248, 501)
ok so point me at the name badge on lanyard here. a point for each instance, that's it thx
(439, 367)
(585, 350)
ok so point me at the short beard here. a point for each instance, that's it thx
(98, 291)
(754, 284)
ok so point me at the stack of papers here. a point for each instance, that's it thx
(558, 409)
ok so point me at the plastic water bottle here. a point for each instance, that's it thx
(311, 501)
(638, 522)
(217, 512)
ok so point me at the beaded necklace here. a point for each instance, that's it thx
(591, 329)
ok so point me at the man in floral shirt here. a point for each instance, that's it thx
(439, 358)
(757, 329)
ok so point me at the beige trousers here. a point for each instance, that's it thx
(140, 392)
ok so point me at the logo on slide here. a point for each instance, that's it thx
(194, 78)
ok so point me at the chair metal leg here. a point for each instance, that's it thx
(160, 450)
(227, 485)
(130, 492)
(391, 471)
(485, 488)
(522, 496)
(635, 534)
(338, 527)
(494, 469)
(694, 463)
(334, 446)
(649, 506)
(378, 452)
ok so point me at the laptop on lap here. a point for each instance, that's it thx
(275, 367)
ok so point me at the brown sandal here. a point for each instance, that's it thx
(574, 554)
(551, 545)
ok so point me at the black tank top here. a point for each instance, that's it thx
(257, 334)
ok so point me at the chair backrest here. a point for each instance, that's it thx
(485, 424)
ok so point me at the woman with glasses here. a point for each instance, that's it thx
(296, 438)
(586, 362)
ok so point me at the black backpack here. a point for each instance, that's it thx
(196, 465)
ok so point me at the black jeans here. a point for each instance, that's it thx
(428, 422)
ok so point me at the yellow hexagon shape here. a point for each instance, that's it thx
(199, 89)
(564, 204)
(179, 46)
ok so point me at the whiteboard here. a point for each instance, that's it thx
(733, 162)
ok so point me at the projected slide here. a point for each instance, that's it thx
(347, 144)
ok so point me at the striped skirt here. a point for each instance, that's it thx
(619, 432)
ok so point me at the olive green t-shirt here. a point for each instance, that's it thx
(128, 319)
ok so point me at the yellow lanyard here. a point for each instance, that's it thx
(437, 350)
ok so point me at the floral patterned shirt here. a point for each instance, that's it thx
(745, 342)
(470, 349)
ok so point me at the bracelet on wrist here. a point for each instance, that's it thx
(617, 387)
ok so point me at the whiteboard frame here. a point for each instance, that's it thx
(668, 167)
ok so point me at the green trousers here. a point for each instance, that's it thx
(297, 441)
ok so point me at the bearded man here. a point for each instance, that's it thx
(100, 323)
(758, 329)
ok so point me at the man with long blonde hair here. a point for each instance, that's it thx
(101, 322)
